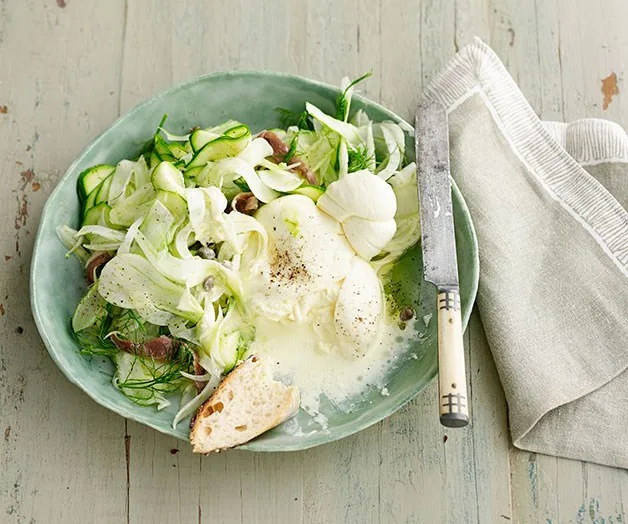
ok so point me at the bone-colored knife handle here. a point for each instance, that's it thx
(452, 380)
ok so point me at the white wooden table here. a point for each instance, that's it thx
(68, 68)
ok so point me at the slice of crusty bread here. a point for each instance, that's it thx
(247, 403)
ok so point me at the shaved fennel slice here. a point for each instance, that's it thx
(394, 154)
(192, 405)
(130, 281)
(67, 235)
(344, 129)
(256, 152)
(277, 178)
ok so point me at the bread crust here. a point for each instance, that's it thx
(201, 427)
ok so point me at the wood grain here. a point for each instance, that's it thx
(59, 452)
(68, 69)
(490, 430)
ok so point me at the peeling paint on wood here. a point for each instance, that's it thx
(4, 110)
(533, 478)
(21, 214)
(591, 514)
(26, 177)
(511, 32)
(609, 89)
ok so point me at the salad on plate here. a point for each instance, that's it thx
(240, 274)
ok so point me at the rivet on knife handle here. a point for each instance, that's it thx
(452, 383)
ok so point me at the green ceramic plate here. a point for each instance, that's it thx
(58, 283)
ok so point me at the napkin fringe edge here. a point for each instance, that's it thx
(477, 69)
(591, 141)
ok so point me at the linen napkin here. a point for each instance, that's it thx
(546, 200)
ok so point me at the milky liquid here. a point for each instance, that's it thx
(293, 354)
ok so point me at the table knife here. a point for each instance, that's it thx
(440, 265)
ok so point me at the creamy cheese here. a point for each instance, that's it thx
(318, 308)
(308, 257)
(365, 205)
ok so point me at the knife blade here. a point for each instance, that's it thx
(440, 265)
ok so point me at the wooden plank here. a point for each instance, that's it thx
(344, 40)
(623, 485)
(420, 456)
(164, 475)
(339, 483)
(593, 46)
(526, 37)
(547, 22)
(272, 487)
(399, 90)
(515, 37)
(515, 30)
(556, 490)
(438, 40)
(533, 487)
(463, 475)
(490, 430)
(471, 18)
(523, 62)
(342, 480)
(602, 494)
(461, 486)
(490, 425)
(240, 35)
(238, 486)
(570, 494)
(61, 455)
(221, 490)
(146, 64)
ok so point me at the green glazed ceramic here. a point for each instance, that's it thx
(57, 283)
